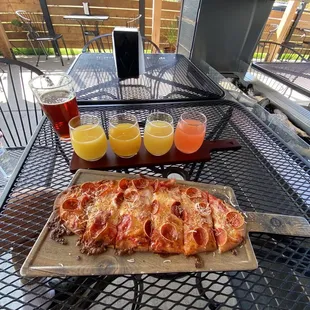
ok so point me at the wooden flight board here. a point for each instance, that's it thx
(145, 159)
(49, 258)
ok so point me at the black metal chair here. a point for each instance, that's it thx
(37, 32)
(19, 114)
(104, 45)
(273, 52)
(272, 29)
(299, 41)
(134, 22)
(305, 50)
(269, 51)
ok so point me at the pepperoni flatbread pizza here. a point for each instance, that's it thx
(149, 215)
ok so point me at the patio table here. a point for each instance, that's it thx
(294, 75)
(265, 175)
(168, 77)
(85, 20)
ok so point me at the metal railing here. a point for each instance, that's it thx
(269, 51)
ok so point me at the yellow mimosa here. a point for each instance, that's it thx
(158, 137)
(125, 139)
(89, 142)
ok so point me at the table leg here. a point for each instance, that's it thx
(138, 293)
(83, 33)
(213, 305)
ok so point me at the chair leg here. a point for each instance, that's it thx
(43, 48)
(98, 45)
(39, 54)
(101, 44)
(64, 43)
(48, 48)
(58, 49)
(30, 41)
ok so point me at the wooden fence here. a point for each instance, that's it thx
(119, 11)
(275, 18)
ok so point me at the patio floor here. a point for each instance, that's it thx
(52, 64)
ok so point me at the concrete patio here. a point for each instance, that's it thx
(52, 64)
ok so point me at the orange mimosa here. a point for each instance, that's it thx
(125, 139)
(158, 137)
(89, 141)
(190, 133)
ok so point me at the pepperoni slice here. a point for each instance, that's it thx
(131, 195)
(100, 223)
(217, 204)
(168, 184)
(148, 228)
(84, 200)
(118, 199)
(155, 206)
(193, 192)
(123, 184)
(169, 232)
(155, 185)
(200, 236)
(88, 187)
(140, 183)
(177, 210)
(203, 209)
(204, 195)
(220, 236)
(70, 204)
(125, 223)
(102, 188)
(234, 219)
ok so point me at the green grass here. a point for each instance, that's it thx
(283, 56)
(29, 51)
(26, 51)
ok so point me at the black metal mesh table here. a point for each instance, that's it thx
(265, 175)
(295, 75)
(168, 76)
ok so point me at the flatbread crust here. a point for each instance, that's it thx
(149, 215)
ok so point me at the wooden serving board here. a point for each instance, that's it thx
(48, 258)
(145, 159)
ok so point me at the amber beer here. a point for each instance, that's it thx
(57, 98)
(60, 108)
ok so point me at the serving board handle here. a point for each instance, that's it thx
(278, 224)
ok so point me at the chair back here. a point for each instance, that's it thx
(134, 23)
(272, 29)
(299, 36)
(269, 51)
(19, 112)
(103, 44)
(34, 23)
